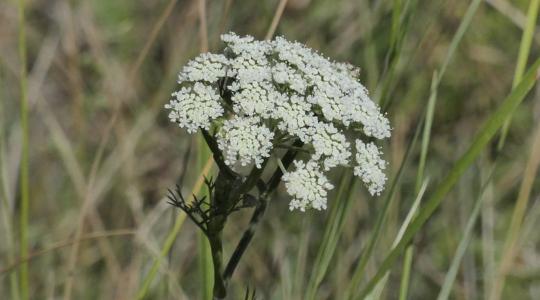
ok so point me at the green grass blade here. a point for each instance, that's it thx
(406, 273)
(456, 40)
(206, 268)
(523, 55)
(426, 134)
(396, 22)
(340, 208)
(401, 16)
(377, 291)
(169, 241)
(463, 26)
(462, 246)
(510, 245)
(301, 260)
(5, 212)
(481, 140)
(171, 237)
(366, 254)
(24, 174)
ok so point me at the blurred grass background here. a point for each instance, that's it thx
(102, 153)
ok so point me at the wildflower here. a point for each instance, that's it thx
(258, 96)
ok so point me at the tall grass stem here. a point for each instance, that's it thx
(24, 166)
(523, 55)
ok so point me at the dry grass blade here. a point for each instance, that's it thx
(59, 245)
(464, 242)
(276, 19)
(203, 31)
(510, 244)
(104, 140)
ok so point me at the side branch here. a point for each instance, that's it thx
(259, 212)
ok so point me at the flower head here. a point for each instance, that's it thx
(194, 107)
(370, 166)
(307, 185)
(205, 67)
(264, 95)
(245, 140)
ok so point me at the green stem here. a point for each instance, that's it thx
(406, 273)
(25, 195)
(258, 213)
(217, 258)
(222, 202)
(524, 49)
(205, 252)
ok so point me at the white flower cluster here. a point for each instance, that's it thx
(370, 166)
(307, 185)
(195, 107)
(245, 140)
(263, 94)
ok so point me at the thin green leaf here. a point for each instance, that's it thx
(480, 142)
(5, 211)
(524, 49)
(206, 267)
(24, 166)
(332, 233)
(510, 246)
(171, 237)
(377, 291)
(426, 134)
(366, 254)
(463, 26)
(462, 246)
(456, 40)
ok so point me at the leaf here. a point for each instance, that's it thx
(481, 140)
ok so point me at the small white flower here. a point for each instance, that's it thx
(307, 185)
(195, 107)
(245, 140)
(370, 167)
